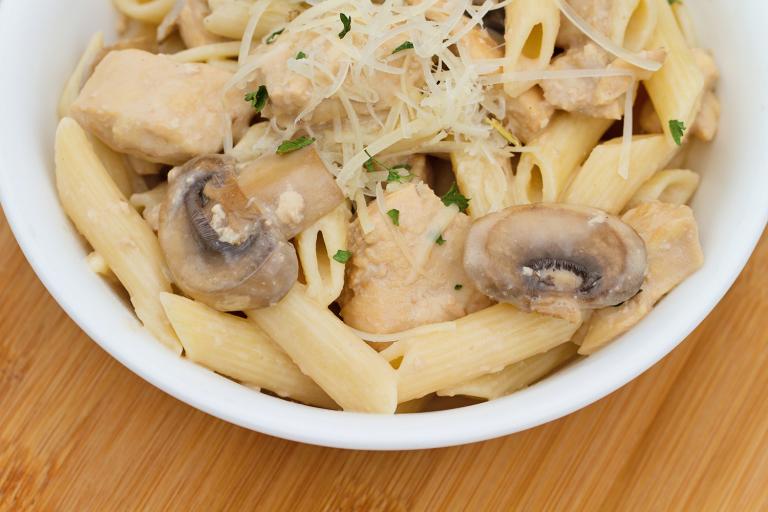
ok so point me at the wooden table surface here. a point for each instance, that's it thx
(80, 432)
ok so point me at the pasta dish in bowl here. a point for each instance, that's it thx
(388, 207)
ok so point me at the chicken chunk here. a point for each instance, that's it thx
(293, 96)
(672, 241)
(528, 114)
(157, 109)
(384, 292)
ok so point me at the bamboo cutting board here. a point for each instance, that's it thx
(80, 432)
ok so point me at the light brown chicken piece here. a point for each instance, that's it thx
(672, 241)
(383, 293)
(157, 109)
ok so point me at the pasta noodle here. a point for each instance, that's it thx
(115, 230)
(677, 89)
(487, 181)
(152, 11)
(80, 74)
(598, 184)
(317, 246)
(543, 174)
(350, 371)
(673, 186)
(530, 34)
(515, 376)
(484, 342)
(239, 349)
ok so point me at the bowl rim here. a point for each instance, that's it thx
(289, 420)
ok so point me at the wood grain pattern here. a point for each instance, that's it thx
(80, 432)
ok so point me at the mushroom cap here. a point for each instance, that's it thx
(220, 248)
(555, 259)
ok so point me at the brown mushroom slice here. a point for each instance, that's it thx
(555, 259)
(221, 248)
(296, 188)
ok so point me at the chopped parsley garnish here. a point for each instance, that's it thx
(342, 256)
(394, 174)
(440, 240)
(405, 46)
(347, 22)
(301, 55)
(259, 98)
(458, 287)
(273, 36)
(395, 216)
(292, 145)
(677, 129)
(672, 2)
(453, 196)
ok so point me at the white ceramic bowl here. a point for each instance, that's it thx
(40, 41)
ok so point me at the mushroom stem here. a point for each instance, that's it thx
(296, 188)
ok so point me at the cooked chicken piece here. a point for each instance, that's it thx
(595, 97)
(528, 114)
(708, 120)
(611, 19)
(672, 241)
(157, 109)
(596, 12)
(293, 95)
(384, 293)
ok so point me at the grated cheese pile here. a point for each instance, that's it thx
(359, 97)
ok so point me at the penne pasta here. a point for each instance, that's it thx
(113, 228)
(229, 18)
(239, 349)
(351, 372)
(487, 181)
(543, 174)
(484, 342)
(151, 11)
(316, 247)
(634, 22)
(208, 52)
(515, 376)
(673, 186)
(80, 74)
(530, 34)
(677, 89)
(598, 183)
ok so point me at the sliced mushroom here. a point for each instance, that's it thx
(555, 259)
(220, 247)
(295, 187)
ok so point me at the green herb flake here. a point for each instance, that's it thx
(440, 240)
(342, 256)
(405, 46)
(293, 145)
(453, 196)
(673, 2)
(301, 55)
(395, 176)
(274, 35)
(346, 21)
(677, 129)
(395, 216)
(259, 98)
(458, 287)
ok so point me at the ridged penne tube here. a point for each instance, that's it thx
(239, 349)
(543, 174)
(229, 18)
(152, 11)
(634, 22)
(677, 89)
(685, 22)
(208, 52)
(252, 145)
(674, 186)
(316, 247)
(350, 371)
(486, 181)
(484, 342)
(515, 376)
(80, 74)
(598, 183)
(113, 228)
(530, 32)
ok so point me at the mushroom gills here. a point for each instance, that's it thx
(220, 247)
(555, 259)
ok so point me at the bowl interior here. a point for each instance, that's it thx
(731, 207)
